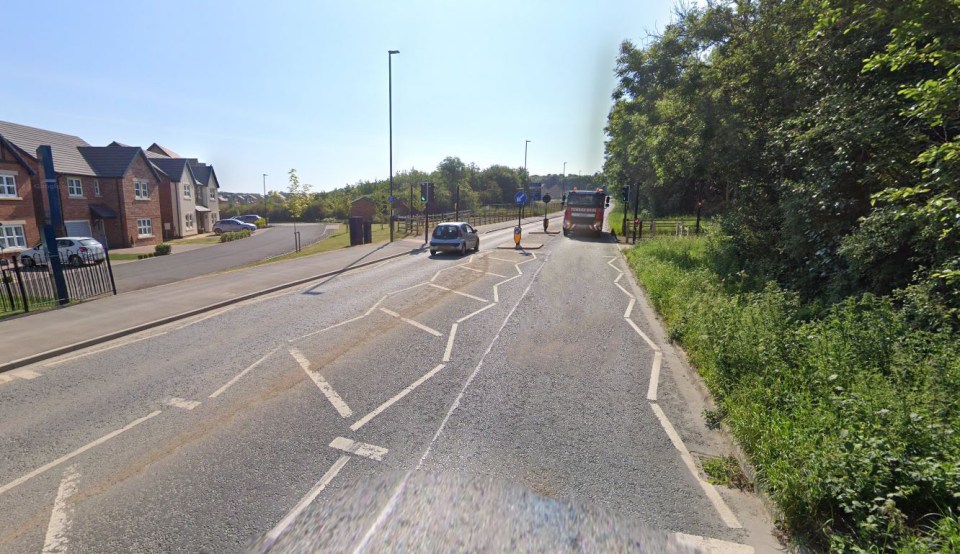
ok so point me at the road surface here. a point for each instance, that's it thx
(265, 243)
(505, 400)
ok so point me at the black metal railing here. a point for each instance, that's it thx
(24, 289)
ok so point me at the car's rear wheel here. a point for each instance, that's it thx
(463, 248)
(477, 247)
(75, 260)
(433, 252)
(217, 231)
(28, 261)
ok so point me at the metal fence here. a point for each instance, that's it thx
(23, 289)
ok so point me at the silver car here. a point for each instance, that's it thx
(231, 225)
(454, 237)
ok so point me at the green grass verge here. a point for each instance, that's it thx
(123, 257)
(852, 418)
(340, 239)
(211, 239)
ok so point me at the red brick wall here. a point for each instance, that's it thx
(23, 209)
(135, 209)
(363, 207)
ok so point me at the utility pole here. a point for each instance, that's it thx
(390, 54)
(264, 195)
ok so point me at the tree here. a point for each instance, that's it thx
(298, 198)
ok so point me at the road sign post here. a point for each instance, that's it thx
(546, 222)
(520, 198)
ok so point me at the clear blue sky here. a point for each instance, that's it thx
(261, 87)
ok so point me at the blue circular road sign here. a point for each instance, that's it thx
(520, 198)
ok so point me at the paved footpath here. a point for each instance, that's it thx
(35, 337)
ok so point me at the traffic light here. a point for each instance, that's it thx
(625, 193)
(426, 192)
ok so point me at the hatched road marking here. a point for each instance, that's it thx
(322, 384)
(61, 519)
(416, 324)
(359, 448)
(382, 407)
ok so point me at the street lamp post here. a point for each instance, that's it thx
(390, 54)
(526, 179)
(264, 195)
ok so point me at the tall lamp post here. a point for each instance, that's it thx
(264, 195)
(563, 176)
(390, 54)
(525, 144)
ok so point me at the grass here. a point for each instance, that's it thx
(207, 239)
(340, 239)
(123, 257)
(851, 417)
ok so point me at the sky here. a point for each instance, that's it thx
(263, 87)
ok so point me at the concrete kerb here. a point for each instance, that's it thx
(189, 313)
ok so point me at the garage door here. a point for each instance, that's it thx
(79, 228)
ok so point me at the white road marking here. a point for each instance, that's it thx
(24, 374)
(468, 316)
(236, 378)
(208, 316)
(322, 384)
(374, 307)
(331, 473)
(466, 384)
(627, 313)
(366, 419)
(654, 376)
(449, 350)
(617, 280)
(182, 403)
(480, 271)
(61, 519)
(711, 546)
(382, 516)
(496, 288)
(359, 448)
(76, 452)
(103, 349)
(416, 324)
(325, 329)
(653, 346)
(726, 515)
(418, 285)
(461, 293)
(625, 291)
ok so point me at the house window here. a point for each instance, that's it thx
(186, 191)
(12, 236)
(96, 188)
(211, 196)
(141, 190)
(199, 193)
(145, 227)
(8, 186)
(74, 188)
(189, 218)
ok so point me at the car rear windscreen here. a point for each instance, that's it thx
(446, 232)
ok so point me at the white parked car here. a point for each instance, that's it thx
(75, 251)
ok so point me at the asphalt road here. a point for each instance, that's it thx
(265, 243)
(498, 401)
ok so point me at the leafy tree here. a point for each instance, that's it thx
(298, 197)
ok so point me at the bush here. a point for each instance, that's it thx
(851, 417)
(261, 223)
(162, 249)
(234, 235)
(145, 256)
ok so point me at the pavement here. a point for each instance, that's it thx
(34, 337)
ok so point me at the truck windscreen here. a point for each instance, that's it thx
(589, 200)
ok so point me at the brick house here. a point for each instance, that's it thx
(204, 203)
(178, 197)
(364, 207)
(18, 210)
(105, 192)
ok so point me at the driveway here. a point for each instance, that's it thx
(264, 243)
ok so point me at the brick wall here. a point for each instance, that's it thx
(134, 209)
(22, 210)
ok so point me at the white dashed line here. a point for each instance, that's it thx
(24, 374)
(322, 384)
(625, 291)
(480, 271)
(380, 409)
(416, 324)
(726, 515)
(711, 546)
(449, 350)
(461, 293)
(103, 349)
(357, 448)
(76, 452)
(331, 473)
(627, 313)
(468, 316)
(325, 329)
(654, 376)
(61, 518)
(236, 378)
(182, 403)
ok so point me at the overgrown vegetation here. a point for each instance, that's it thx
(850, 412)
(824, 131)
(162, 249)
(235, 235)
